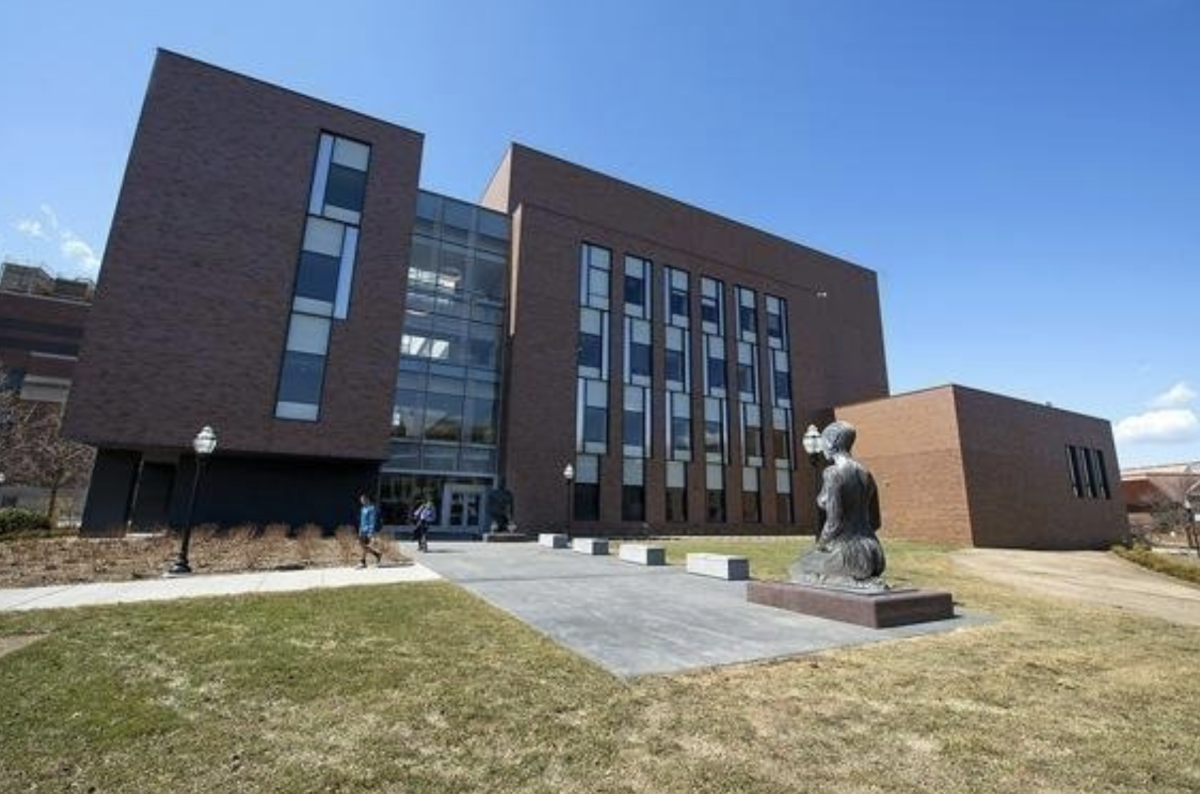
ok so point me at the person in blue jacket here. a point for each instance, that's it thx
(368, 525)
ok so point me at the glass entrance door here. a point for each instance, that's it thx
(462, 505)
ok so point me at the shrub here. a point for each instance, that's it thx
(14, 520)
(1179, 567)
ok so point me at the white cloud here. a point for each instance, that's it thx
(30, 227)
(1177, 396)
(1162, 426)
(81, 254)
(51, 216)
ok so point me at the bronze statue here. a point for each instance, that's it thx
(847, 553)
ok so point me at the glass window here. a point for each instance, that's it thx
(351, 154)
(674, 367)
(308, 334)
(324, 237)
(716, 374)
(480, 421)
(1073, 468)
(591, 351)
(586, 501)
(676, 491)
(595, 424)
(408, 414)
(302, 376)
(318, 276)
(346, 188)
(485, 276)
(1102, 471)
(710, 306)
(635, 291)
(714, 430)
(639, 360)
(783, 508)
(444, 417)
(634, 425)
(633, 503)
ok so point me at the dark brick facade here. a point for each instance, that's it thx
(40, 335)
(556, 207)
(962, 466)
(199, 269)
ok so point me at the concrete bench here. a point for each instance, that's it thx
(720, 566)
(553, 540)
(596, 546)
(642, 554)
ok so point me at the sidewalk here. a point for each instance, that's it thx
(636, 620)
(166, 589)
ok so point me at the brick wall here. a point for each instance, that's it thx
(192, 307)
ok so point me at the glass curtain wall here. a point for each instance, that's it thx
(446, 412)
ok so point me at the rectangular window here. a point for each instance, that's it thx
(680, 426)
(676, 491)
(636, 422)
(752, 435)
(781, 437)
(751, 497)
(637, 287)
(784, 513)
(638, 366)
(675, 361)
(714, 481)
(714, 368)
(586, 491)
(301, 379)
(1090, 466)
(747, 315)
(711, 314)
(781, 378)
(593, 348)
(592, 417)
(777, 336)
(1073, 468)
(714, 430)
(747, 372)
(678, 306)
(594, 276)
(633, 490)
(1102, 473)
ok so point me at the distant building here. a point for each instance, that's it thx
(275, 271)
(41, 327)
(1145, 489)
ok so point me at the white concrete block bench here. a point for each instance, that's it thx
(720, 566)
(553, 541)
(643, 554)
(596, 546)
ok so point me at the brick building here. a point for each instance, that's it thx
(275, 271)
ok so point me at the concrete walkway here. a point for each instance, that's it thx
(635, 620)
(1093, 577)
(99, 593)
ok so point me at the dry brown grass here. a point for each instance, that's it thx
(31, 562)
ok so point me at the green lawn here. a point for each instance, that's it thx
(423, 688)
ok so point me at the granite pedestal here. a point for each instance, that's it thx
(875, 609)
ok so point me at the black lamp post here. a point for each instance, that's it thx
(204, 443)
(812, 447)
(569, 479)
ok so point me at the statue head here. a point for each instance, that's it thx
(837, 437)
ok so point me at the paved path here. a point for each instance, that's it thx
(635, 620)
(98, 593)
(1094, 577)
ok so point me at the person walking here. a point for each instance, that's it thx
(423, 516)
(368, 525)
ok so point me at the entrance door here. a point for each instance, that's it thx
(462, 505)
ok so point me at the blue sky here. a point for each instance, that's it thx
(1024, 175)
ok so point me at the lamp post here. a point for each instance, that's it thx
(204, 443)
(569, 479)
(812, 447)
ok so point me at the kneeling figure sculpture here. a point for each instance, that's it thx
(847, 553)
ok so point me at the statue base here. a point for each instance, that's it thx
(876, 609)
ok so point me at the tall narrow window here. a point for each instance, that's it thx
(676, 491)
(586, 496)
(638, 366)
(1073, 468)
(751, 497)
(595, 276)
(714, 481)
(633, 490)
(324, 272)
(711, 311)
(636, 422)
(714, 430)
(637, 287)
(747, 315)
(677, 304)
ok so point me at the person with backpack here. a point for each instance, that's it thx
(423, 516)
(368, 525)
